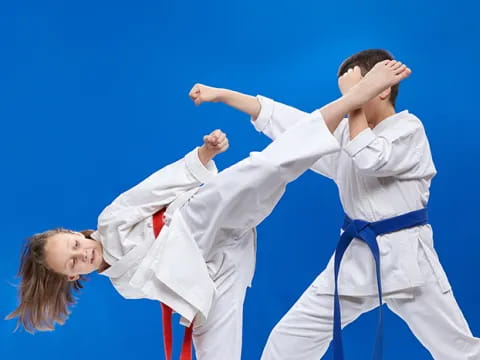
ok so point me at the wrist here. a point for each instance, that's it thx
(222, 95)
(205, 154)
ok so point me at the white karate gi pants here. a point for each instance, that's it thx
(306, 330)
(222, 215)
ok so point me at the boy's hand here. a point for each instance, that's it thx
(202, 93)
(349, 79)
(213, 144)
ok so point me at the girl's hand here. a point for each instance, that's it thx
(202, 93)
(213, 144)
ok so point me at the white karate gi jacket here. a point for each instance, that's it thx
(171, 268)
(381, 173)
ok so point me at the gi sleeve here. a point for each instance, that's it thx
(157, 191)
(400, 150)
(275, 118)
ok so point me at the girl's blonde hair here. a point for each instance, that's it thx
(44, 295)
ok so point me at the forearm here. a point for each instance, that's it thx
(245, 103)
(205, 155)
(157, 190)
(357, 122)
(334, 112)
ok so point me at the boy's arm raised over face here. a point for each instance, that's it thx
(394, 150)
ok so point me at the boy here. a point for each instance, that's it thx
(383, 171)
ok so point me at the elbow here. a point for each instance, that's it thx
(374, 160)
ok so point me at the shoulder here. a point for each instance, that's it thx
(401, 125)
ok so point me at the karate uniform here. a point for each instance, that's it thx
(203, 259)
(381, 173)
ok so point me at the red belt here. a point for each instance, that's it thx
(186, 353)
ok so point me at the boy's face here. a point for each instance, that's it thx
(72, 254)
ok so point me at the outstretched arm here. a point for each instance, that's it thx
(165, 185)
(245, 103)
(251, 105)
(269, 117)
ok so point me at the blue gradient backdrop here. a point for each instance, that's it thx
(93, 98)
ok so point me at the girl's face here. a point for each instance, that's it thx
(72, 254)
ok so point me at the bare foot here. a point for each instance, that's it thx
(382, 76)
(349, 79)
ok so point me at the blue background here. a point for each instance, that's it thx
(94, 98)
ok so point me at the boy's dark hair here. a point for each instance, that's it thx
(366, 59)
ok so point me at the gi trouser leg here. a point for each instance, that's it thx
(438, 323)
(229, 206)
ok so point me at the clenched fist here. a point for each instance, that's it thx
(213, 144)
(202, 93)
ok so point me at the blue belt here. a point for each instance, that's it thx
(368, 232)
